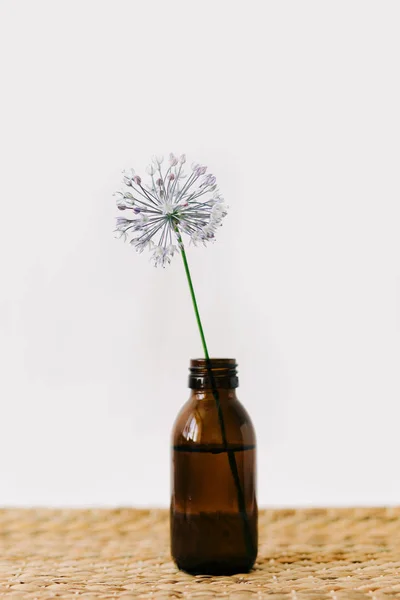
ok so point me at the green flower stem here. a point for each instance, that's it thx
(193, 295)
(231, 455)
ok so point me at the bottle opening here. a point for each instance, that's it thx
(215, 372)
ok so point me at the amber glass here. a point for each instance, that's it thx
(213, 505)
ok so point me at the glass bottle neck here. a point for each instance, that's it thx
(224, 395)
(213, 373)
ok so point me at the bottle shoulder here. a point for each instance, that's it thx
(199, 422)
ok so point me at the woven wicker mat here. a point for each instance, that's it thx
(93, 554)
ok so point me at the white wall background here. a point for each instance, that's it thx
(295, 107)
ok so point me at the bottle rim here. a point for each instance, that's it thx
(213, 372)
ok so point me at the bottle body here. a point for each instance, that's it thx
(213, 503)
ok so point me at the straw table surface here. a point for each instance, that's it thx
(108, 554)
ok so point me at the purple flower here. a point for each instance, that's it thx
(200, 171)
(176, 203)
(173, 161)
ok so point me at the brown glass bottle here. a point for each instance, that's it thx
(213, 505)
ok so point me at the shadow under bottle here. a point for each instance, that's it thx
(213, 504)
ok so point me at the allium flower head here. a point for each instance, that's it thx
(169, 204)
